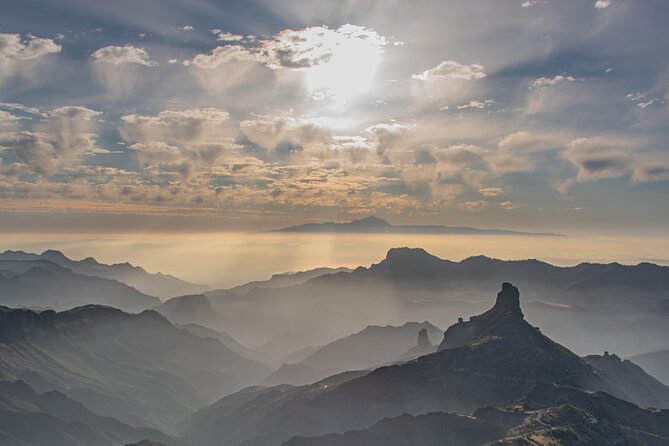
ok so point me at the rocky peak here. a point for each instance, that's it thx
(505, 319)
(508, 299)
(424, 339)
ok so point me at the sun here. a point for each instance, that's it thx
(350, 56)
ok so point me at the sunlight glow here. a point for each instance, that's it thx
(348, 61)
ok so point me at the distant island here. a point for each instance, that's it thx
(373, 224)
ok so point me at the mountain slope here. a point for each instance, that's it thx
(286, 279)
(656, 363)
(192, 309)
(640, 387)
(158, 284)
(138, 368)
(44, 284)
(371, 347)
(494, 359)
(225, 339)
(549, 415)
(52, 419)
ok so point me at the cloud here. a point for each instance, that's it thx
(599, 158)
(12, 47)
(491, 191)
(120, 69)
(544, 82)
(17, 54)
(194, 138)
(335, 64)
(386, 136)
(13, 106)
(317, 45)
(507, 205)
(62, 138)
(473, 206)
(124, 54)
(285, 135)
(518, 152)
(297, 49)
(477, 104)
(643, 102)
(7, 118)
(186, 28)
(602, 4)
(451, 69)
(223, 55)
(227, 37)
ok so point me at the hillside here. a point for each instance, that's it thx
(138, 368)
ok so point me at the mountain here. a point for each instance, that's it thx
(373, 224)
(494, 359)
(371, 347)
(641, 387)
(52, 419)
(225, 339)
(549, 415)
(656, 363)
(254, 412)
(193, 309)
(285, 279)
(574, 305)
(44, 284)
(195, 314)
(158, 284)
(423, 347)
(294, 375)
(432, 429)
(137, 368)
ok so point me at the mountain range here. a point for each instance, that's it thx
(493, 359)
(158, 284)
(43, 284)
(332, 357)
(373, 224)
(372, 347)
(137, 368)
(589, 307)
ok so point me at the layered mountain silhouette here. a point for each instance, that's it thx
(354, 371)
(644, 389)
(195, 309)
(285, 279)
(29, 417)
(225, 339)
(423, 347)
(373, 224)
(656, 363)
(575, 305)
(494, 359)
(45, 284)
(137, 368)
(371, 347)
(158, 284)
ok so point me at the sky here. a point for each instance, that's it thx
(199, 115)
